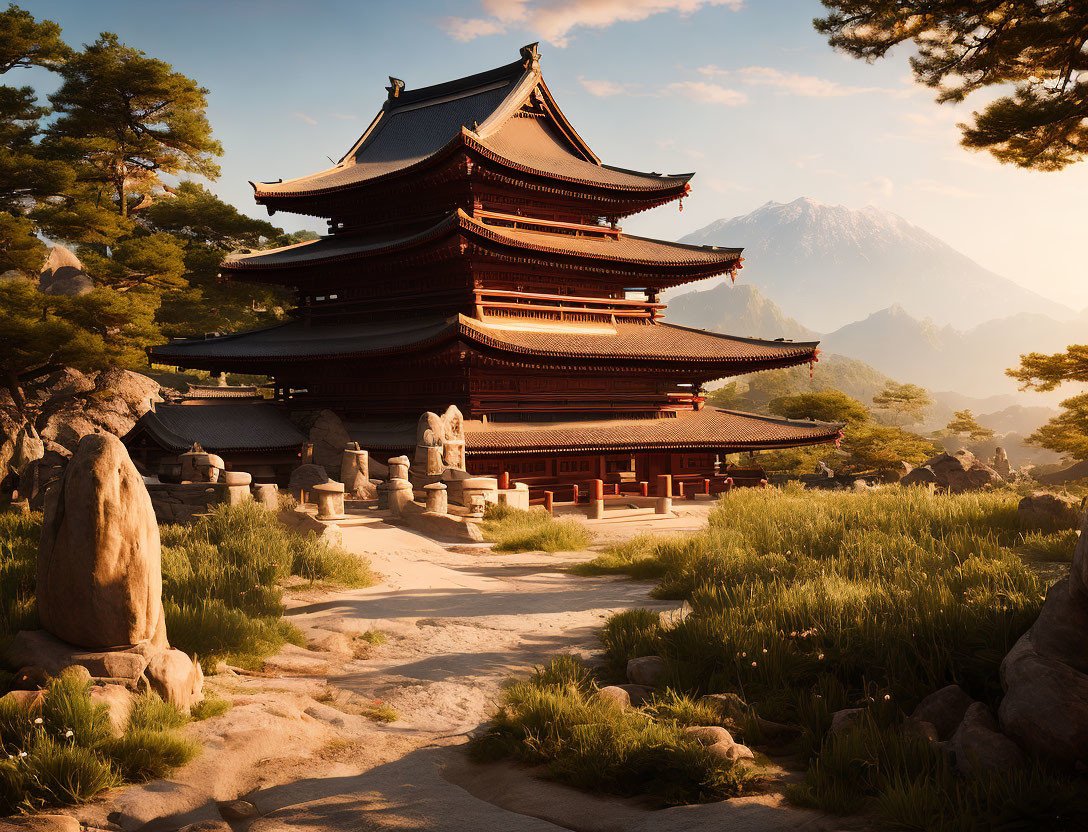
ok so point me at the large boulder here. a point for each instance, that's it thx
(99, 561)
(68, 410)
(1048, 511)
(958, 472)
(1045, 675)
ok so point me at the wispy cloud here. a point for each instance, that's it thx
(304, 117)
(793, 83)
(604, 89)
(554, 20)
(709, 93)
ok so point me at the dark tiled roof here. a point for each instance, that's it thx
(621, 248)
(219, 427)
(710, 428)
(476, 112)
(658, 342)
(296, 340)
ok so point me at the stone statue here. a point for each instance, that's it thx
(1001, 463)
(453, 453)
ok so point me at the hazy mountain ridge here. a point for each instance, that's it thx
(828, 265)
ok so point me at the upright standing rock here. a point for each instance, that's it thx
(99, 562)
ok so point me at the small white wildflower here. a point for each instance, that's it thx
(744, 655)
(38, 721)
(69, 734)
(887, 697)
(820, 657)
(22, 753)
(764, 649)
(753, 664)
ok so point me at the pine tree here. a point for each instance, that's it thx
(1066, 433)
(1038, 47)
(965, 425)
(905, 402)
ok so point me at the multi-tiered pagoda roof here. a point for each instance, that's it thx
(475, 257)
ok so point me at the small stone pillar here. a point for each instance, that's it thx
(487, 488)
(267, 494)
(188, 469)
(398, 468)
(237, 483)
(436, 498)
(329, 497)
(596, 500)
(394, 495)
(453, 453)
(664, 494)
(207, 467)
(476, 504)
(355, 472)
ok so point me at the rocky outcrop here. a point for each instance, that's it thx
(99, 567)
(1045, 675)
(63, 407)
(304, 478)
(958, 472)
(63, 274)
(1048, 511)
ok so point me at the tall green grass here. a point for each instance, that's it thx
(900, 589)
(19, 535)
(61, 750)
(804, 603)
(515, 530)
(554, 719)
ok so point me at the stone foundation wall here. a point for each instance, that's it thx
(181, 502)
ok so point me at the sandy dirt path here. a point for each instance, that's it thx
(459, 620)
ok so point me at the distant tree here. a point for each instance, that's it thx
(727, 398)
(1038, 46)
(905, 402)
(881, 446)
(131, 118)
(965, 425)
(826, 406)
(1066, 433)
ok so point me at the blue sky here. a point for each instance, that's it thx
(742, 91)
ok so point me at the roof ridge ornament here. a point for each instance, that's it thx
(395, 88)
(530, 54)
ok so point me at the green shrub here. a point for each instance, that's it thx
(60, 750)
(209, 707)
(515, 530)
(212, 631)
(553, 718)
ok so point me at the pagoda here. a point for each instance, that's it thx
(475, 258)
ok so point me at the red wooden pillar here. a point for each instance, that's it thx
(644, 488)
(664, 485)
(549, 498)
(706, 487)
(596, 500)
(504, 480)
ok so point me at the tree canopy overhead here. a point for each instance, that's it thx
(1036, 47)
(1066, 433)
(131, 118)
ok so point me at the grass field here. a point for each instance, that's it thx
(802, 603)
